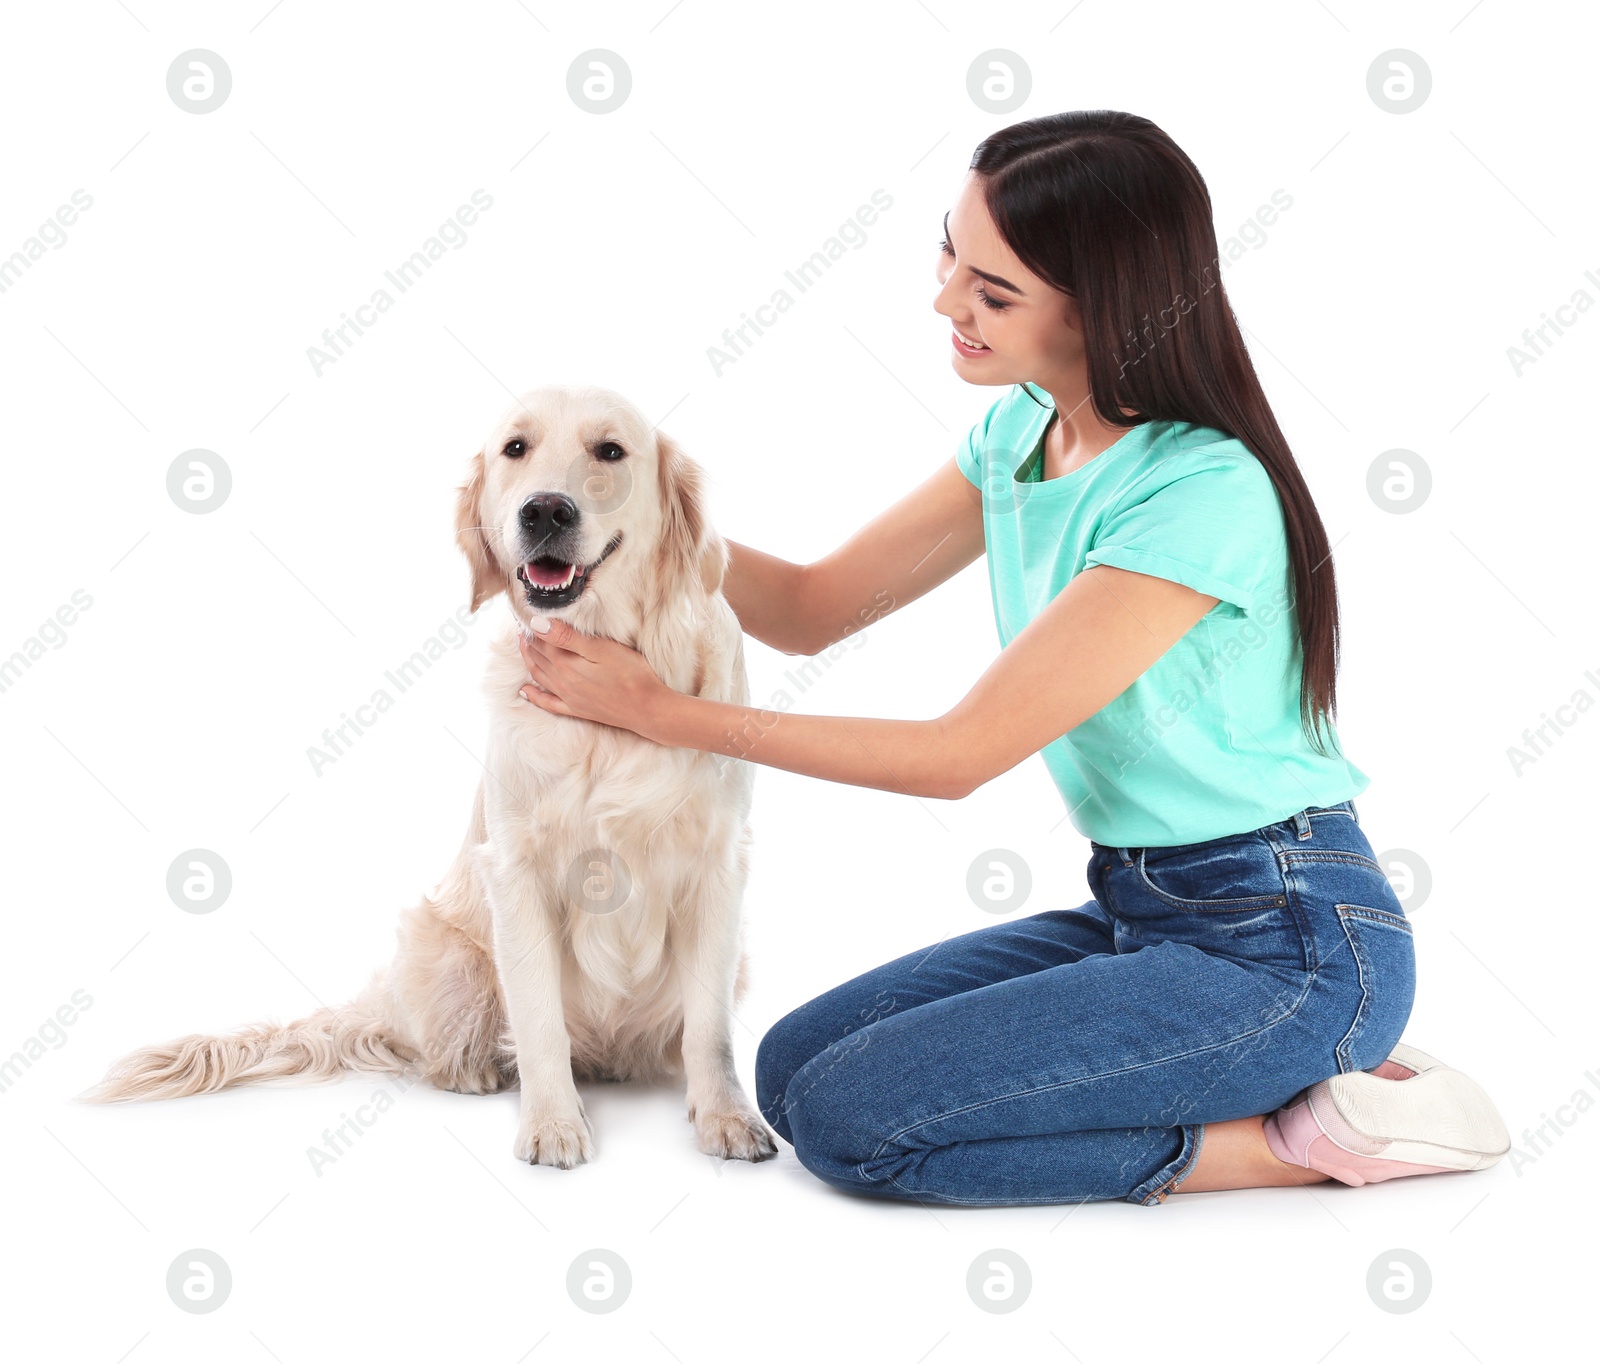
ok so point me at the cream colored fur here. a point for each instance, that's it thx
(503, 976)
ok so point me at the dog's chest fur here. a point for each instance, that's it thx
(616, 834)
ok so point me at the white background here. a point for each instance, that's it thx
(178, 710)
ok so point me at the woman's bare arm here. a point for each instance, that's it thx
(764, 592)
(930, 534)
(1100, 633)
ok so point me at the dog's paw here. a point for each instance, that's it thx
(734, 1135)
(482, 1079)
(563, 1141)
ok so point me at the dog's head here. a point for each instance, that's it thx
(576, 501)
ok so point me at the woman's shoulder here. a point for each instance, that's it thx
(1199, 464)
(1177, 448)
(1200, 442)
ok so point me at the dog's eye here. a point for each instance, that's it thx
(611, 451)
(515, 449)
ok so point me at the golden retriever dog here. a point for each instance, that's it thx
(590, 926)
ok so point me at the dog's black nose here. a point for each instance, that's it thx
(547, 513)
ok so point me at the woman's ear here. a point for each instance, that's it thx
(692, 554)
(473, 536)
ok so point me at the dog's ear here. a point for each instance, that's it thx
(693, 555)
(473, 536)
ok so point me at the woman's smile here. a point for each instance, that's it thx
(965, 346)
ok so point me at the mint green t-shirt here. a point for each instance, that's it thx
(1207, 741)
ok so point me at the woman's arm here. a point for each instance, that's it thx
(764, 592)
(1105, 628)
(905, 756)
(931, 533)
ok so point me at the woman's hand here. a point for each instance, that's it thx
(589, 677)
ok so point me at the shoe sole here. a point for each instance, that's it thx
(1378, 1112)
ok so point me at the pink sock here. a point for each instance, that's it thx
(1392, 1070)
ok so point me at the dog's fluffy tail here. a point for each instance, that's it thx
(319, 1047)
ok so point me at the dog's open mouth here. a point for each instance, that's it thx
(550, 581)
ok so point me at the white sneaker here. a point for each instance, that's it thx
(1412, 1115)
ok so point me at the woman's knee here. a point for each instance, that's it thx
(775, 1066)
(817, 1025)
(782, 1052)
(799, 1088)
(831, 1107)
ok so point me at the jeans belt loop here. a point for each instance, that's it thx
(1126, 855)
(1302, 824)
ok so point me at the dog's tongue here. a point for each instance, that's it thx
(546, 572)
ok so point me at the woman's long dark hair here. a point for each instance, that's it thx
(1106, 207)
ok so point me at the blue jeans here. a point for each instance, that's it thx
(1078, 1054)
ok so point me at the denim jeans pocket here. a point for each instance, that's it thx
(1226, 896)
(1385, 956)
(1224, 875)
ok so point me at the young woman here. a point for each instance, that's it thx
(1226, 1011)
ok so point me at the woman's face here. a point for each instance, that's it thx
(1028, 331)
